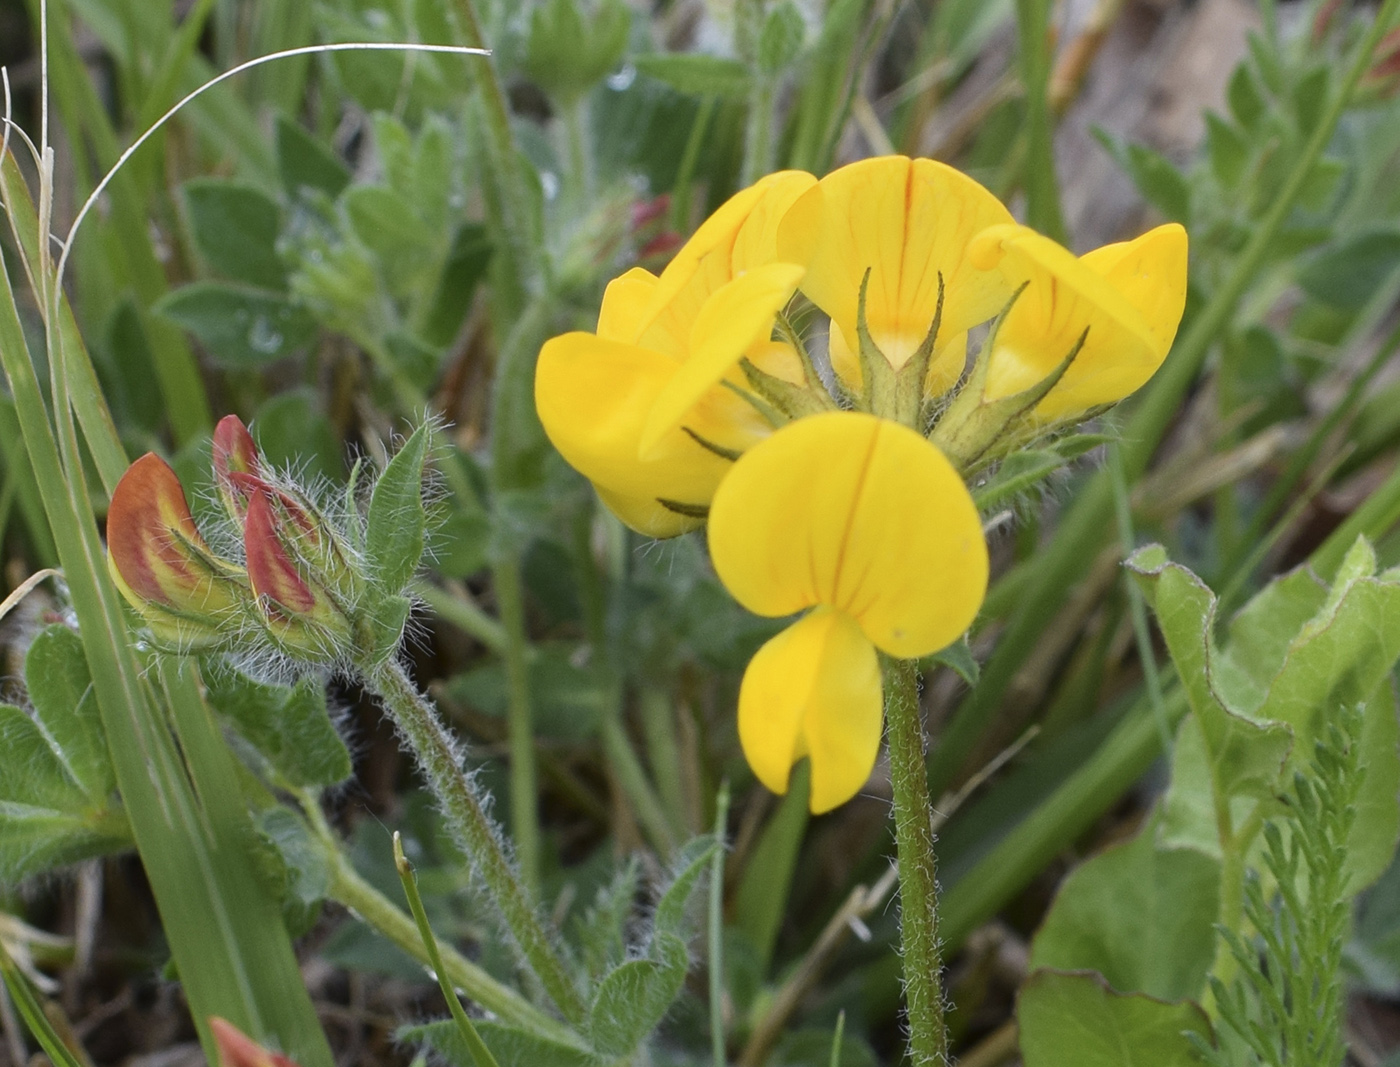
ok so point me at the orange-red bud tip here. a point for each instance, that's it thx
(237, 1049)
(146, 521)
(236, 460)
(271, 571)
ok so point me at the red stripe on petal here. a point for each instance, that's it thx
(147, 511)
(271, 571)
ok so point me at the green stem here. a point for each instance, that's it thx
(918, 888)
(347, 887)
(580, 177)
(466, 1030)
(524, 804)
(622, 758)
(1042, 194)
(758, 136)
(1086, 524)
(524, 253)
(472, 828)
(716, 931)
(680, 191)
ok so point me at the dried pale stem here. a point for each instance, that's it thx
(472, 828)
(918, 881)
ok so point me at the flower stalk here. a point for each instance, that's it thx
(472, 828)
(918, 870)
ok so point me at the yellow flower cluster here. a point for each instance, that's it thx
(839, 490)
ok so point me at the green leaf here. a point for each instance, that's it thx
(304, 163)
(288, 725)
(958, 657)
(1348, 275)
(293, 432)
(1310, 97)
(567, 699)
(56, 779)
(1245, 755)
(464, 270)
(1155, 176)
(60, 688)
(508, 1044)
(241, 328)
(601, 932)
(1140, 915)
(1228, 148)
(1074, 1020)
(691, 863)
(1246, 100)
(697, 74)
(635, 996)
(308, 875)
(235, 228)
(394, 528)
(388, 224)
(780, 39)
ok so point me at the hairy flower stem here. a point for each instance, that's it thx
(918, 889)
(472, 828)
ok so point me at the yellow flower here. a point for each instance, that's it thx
(635, 407)
(1128, 296)
(907, 222)
(864, 520)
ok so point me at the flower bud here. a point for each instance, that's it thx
(237, 1049)
(299, 612)
(187, 595)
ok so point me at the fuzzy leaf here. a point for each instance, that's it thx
(635, 996)
(241, 327)
(304, 163)
(288, 725)
(693, 861)
(1075, 1020)
(56, 779)
(60, 688)
(1140, 915)
(235, 227)
(394, 532)
(958, 657)
(509, 1045)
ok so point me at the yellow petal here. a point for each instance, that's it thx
(625, 301)
(738, 237)
(860, 514)
(593, 397)
(736, 317)
(906, 221)
(647, 515)
(1129, 296)
(814, 691)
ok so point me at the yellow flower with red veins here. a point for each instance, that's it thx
(681, 408)
(909, 223)
(864, 521)
(636, 406)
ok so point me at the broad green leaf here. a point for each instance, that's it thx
(235, 228)
(60, 688)
(308, 878)
(394, 532)
(1245, 755)
(510, 1046)
(1348, 274)
(635, 996)
(241, 328)
(1074, 1020)
(293, 432)
(696, 73)
(1228, 149)
(388, 224)
(780, 39)
(1188, 809)
(1246, 100)
(304, 163)
(1140, 915)
(288, 725)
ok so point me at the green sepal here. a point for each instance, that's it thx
(794, 401)
(382, 626)
(395, 528)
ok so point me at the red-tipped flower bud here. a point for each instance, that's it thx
(237, 1049)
